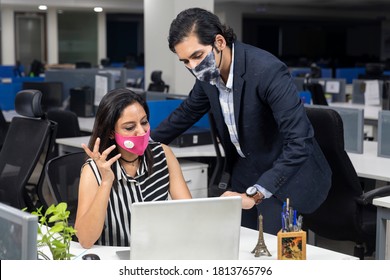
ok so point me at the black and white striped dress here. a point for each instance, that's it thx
(116, 230)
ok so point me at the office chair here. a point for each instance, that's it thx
(317, 93)
(68, 125)
(157, 83)
(3, 128)
(347, 214)
(63, 176)
(26, 149)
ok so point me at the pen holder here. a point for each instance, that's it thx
(292, 245)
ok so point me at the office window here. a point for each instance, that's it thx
(77, 37)
(125, 39)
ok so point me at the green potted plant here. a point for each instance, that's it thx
(54, 232)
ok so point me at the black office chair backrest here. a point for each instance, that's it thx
(68, 123)
(157, 83)
(337, 217)
(3, 128)
(317, 93)
(27, 147)
(63, 176)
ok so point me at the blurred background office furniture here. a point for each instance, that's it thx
(36, 68)
(63, 176)
(384, 134)
(347, 213)
(317, 93)
(68, 125)
(83, 64)
(334, 89)
(52, 93)
(383, 216)
(18, 234)
(26, 149)
(374, 71)
(3, 128)
(82, 101)
(367, 92)
(353, 128)
(386, 96)
(157, 83)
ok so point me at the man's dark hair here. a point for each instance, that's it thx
(201, 22)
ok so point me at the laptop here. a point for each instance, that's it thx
(197, 229)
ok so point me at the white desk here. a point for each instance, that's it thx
(248, 241)
(383, 215)
(369, 165)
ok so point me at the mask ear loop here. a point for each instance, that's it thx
(220, 59)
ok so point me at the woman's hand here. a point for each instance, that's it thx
(101, 161)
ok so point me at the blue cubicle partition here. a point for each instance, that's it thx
(305, 96)
(302, 71)
(349, 73)
(160, 109)
(10, 88)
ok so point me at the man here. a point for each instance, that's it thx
(261, 122)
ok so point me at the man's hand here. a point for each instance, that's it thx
(247, 202)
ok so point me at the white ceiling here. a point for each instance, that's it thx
(137, 5)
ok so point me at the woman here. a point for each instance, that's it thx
(124, 167)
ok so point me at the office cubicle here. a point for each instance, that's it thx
(353, 124)
(79, 78)
(303, 71)
(384, 134)
(368, 92)
(335, 88)
(52, 93)
(349, 73)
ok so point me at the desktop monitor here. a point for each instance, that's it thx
(76, 78)
(51, 93)
(384, 134)
(333, 87)
(18, 234)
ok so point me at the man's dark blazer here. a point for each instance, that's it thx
(274, 132)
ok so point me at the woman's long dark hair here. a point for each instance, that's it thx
(203, 23)
(109, 111)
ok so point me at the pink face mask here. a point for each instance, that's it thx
(134, 144)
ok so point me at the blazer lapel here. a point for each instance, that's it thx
(238, 81)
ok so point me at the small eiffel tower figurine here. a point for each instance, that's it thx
(261, 248)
